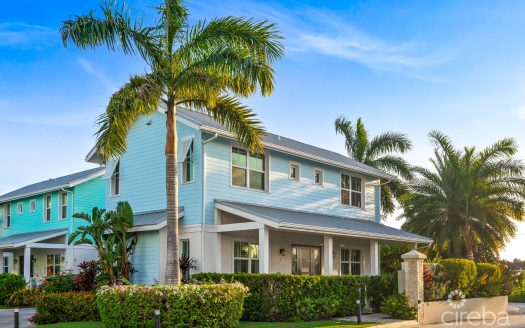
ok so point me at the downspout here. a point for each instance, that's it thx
(203, 207)
(379, 196)
(72, 225)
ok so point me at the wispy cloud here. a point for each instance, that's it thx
(99, 74)
(519, 112)
(25, 35)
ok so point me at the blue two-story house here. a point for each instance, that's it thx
(36, 220)
(295, 209)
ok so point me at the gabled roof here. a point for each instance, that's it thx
(281, 218)
(65, 181)
(22, 239)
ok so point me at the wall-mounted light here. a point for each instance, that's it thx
(149, 122)
(282, 251)
(15, 261)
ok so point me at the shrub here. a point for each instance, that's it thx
(436, 287)
(66, 307)
(58, 284)
(24, 297)
(488, 281)
(284, 297)
(9, 284)
(85, 279)
(460, 273)
(217, 305)
(396, 306)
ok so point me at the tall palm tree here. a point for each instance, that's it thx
(469, 198)
(379, 153)
(206, 67)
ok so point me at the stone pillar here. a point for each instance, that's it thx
(414, 283)
(264, 250)
(328, 255)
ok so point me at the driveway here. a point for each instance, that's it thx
(515, 321)
(7, 318)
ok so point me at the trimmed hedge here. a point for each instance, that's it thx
(282, 297)
(9, 284)
(488, 281)
(460, 273)
(217, 305)
(66, 307)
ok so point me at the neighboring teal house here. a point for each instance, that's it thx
(295, 209)
(36, 220)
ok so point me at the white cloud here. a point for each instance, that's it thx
(519, 112)
(100, 75)
(26, 35)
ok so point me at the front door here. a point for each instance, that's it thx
(306, 260)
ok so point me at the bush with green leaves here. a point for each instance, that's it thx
(58, 284)
(488, 281)
(9, 284)
(24, 297)
(460, 273)
(66, 307)
(207, 305)
(284, 297)
(396, 306)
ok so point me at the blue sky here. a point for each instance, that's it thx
(410, 66)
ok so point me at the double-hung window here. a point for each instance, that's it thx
(53, 264)
(7, 215)
(318, 177)
(20, 208)
(351, 191)
(245, 257)
(32, 205)
(63, 205)
(248, 169)
(115, 180)
(350, 261)
(187, 164)
(47, 208)
(295, 171)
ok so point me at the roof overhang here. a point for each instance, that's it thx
(155, 226)
(23, 239)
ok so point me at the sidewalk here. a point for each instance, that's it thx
(7, 317)
(382, 320)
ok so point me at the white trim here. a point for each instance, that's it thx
(7, 213)
(298, 173)
(44, 208)
(362, 192)
(246, 215)
(350, 249)
(238, 226)
(249, 258)
(35, 240)
(48, 245)
(321, 180)
(60, 195)
(20, 208)
(111, 165)
(111, 193)
(32, 201)
(192, 142)
(266, 171)
(89, 177)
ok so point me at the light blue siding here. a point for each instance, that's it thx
(142, 170)
(146, 257)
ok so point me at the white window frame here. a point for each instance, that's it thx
(321, 177)
(7, 215)
(5, 264)
(297, 166)
(45, 208)
(54, 265)
(32, 205)
(61, 205)
(20, 208)
(250, 258)
(350, 190)
(186, 158)
(265, 172)
(350, 262)
(115, 176)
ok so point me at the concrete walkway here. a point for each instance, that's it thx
(7, 317)
(382, 320)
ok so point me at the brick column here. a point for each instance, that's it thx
(414, 284)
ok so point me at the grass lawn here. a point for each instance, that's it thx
(244, 324)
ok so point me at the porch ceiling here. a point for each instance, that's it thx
(285, 219)
(22, 239)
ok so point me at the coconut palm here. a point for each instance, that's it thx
(206, 67)
(379, 152)
(468, 198)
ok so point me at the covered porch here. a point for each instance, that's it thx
(254, 238)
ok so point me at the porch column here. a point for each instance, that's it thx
(27, 263)
(328, 258)
(374, 258)
(264, 250)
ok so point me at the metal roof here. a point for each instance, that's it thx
(21, 239)
(322, 223)
(51, 184)
(152, 217)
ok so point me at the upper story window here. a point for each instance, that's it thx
(47, 208)
(350, 261)
(7, 216)
(351, 191)
(248, 169)
(115, 181)
(187, 148)
(295, 171)
(63, 205)
(318, 177)
(32, 205)
(20, 208)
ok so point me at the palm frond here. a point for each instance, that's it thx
(389, 142)
(344, 127)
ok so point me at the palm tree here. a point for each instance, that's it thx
(378, 153)
(206, 67)
(470, 197)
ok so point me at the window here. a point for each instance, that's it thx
(295, 171)
(32, 205)
(306, 260)
(185, 247)
(318, 177)
(20, 208)
(115, 180)
(351, 191)
(53, 264)
(248, 170)
(63, 205)
(47, 208)
(187, 165)
(245, 257)
(350, 261)
(7, 216)
(5, 264)
(185, 254)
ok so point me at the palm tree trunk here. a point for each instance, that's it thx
(468, 242)
(172, 212)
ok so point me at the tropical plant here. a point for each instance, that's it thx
(206, 67)
(187, 264)
(379, 152)
(470, 197)
(108, 233)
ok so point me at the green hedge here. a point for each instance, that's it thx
(460, 273)
(396, 306)
(488, 281)
(66, 307)
(24, 297)
(282, 297)
(58, 284)
(9, 284)
(207, 305)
